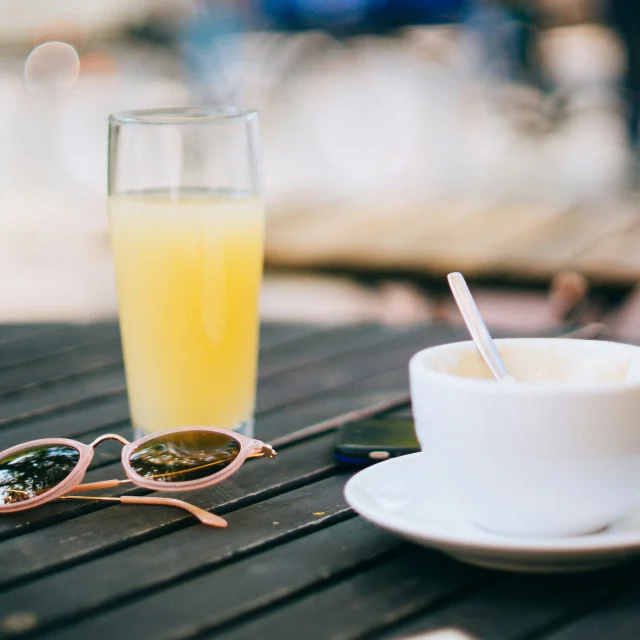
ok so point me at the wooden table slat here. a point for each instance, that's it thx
(367, 601)
(14, 332)
(61, 366)
(331, 342)
(51, 398)
(40, 345)
(98, 584)
(521, 606)
(619, 620)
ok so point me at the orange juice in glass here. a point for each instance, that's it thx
(187, 228)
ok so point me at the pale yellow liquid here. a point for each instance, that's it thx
(188, 272)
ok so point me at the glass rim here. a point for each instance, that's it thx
(160, 116)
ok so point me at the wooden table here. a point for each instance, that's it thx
(295, 562)
(529, 241)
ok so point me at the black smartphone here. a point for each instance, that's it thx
(368, 441)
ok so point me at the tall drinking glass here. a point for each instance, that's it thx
(187, 227)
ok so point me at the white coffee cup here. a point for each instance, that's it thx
(557, 454)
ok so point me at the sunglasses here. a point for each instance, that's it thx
(184, 459)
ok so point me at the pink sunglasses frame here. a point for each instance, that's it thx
(249, 448)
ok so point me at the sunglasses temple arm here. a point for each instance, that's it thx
(210, 519)
(94, 486)
(205, 517)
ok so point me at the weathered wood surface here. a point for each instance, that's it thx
(295, 561)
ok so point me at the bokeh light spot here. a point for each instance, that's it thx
(52, 66)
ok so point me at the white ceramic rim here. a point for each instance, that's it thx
(424, 373)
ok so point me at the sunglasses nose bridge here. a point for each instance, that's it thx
(109, 436)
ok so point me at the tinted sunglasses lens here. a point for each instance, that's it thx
(184, 456)
(33, 471)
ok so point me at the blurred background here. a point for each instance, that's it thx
(402, 139)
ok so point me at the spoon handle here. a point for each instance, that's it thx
(476, 326)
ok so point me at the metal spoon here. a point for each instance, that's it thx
(477, 328)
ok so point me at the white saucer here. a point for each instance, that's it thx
(400, 495)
